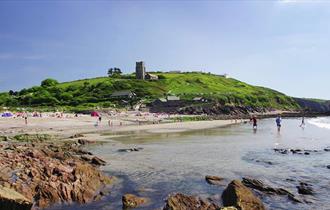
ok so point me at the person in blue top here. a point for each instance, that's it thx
(278, 122)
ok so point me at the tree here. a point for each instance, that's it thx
(12, 93)
(49, 82)
(114, 72)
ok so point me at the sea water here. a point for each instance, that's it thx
(178, 162)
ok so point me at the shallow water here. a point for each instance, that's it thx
(178, 162)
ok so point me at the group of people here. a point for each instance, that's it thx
(278, 122)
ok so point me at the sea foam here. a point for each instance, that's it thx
(321, 122)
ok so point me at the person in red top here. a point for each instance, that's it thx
(254, 121)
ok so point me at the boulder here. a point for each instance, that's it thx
(241, 197)
(98, 161)
(133, 201)
(305, 189)
(12, 200)
(180, 201)
(213, 180)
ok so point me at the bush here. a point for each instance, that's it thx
(49, 82)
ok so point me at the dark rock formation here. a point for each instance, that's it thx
(313, 106)
(131, 149)
(214, 180)
(84, 141)
(260, 186)
(305, 189)
(241, 197)
(12, 200)
(295, 151)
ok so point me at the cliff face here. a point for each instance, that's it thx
(313, 106)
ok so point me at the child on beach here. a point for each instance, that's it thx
(302, 122)
(278, 123)
(254, 122)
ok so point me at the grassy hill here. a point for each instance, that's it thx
(97, 92)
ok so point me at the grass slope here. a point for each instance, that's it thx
(97, 91)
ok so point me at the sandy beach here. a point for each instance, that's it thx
(67, 126)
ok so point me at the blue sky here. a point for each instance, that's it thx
(284, 45)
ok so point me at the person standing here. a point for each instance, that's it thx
(302, 122)
(278, 122)
(26, 118)
(254, 122)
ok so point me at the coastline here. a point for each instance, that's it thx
(66, 127)
(81, 131)
(127, 122)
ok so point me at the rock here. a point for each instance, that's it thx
(131, 149)
(305, 189)
(78, 135)
(98, 161)
(41, 175)
(85, 141)
(294, 199)
(213, 180)
(180, 201)
(296, 151)
(12, 200)
(266, 162)
(133, 201)
(259, 185)
(241, 197)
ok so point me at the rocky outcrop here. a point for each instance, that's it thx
(259, 185)
(213, 180)
(295, 151)
(135, 149)
(50, 173)
(180, 201)
(241, 197)
(305, 189)
(311, 105)
(133, 201)
(12, 200)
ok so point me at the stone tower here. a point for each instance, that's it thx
(140, 70)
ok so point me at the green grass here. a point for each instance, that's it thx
(97, 91)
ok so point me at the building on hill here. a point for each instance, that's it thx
(224, 75)
(123, 94)
(173, 98)
(141, 73)
(151, 76)
(140, 70)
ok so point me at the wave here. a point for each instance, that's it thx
(321, 122)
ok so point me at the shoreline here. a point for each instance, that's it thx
(69, 126)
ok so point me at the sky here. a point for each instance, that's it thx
(283, 45)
